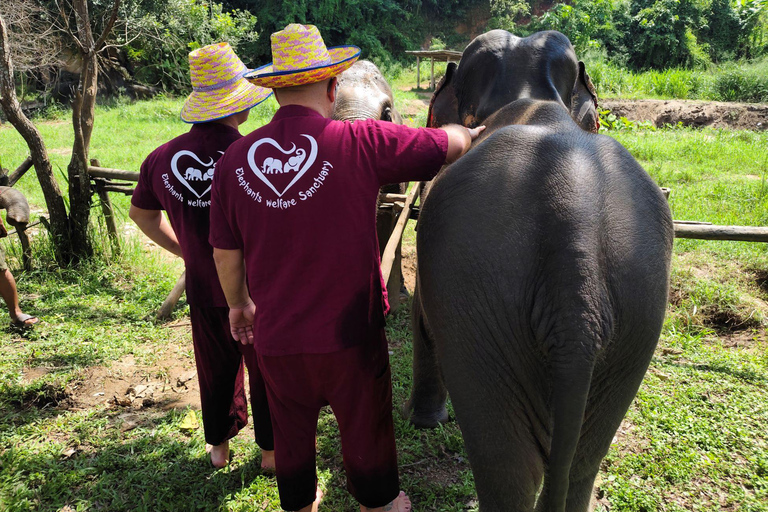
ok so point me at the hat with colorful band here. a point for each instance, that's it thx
(300, 57)
(218, 87)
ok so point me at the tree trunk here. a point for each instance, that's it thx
(83, 112)
(54, 199)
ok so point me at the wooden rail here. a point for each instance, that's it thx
(113, 174)
(388, 258)
(714, 232)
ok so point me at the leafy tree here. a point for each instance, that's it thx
(588, 24)
(506, 13)
(722, 31)
(165, 31)
(661, 36)
(753, 39)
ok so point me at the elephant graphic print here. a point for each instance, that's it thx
(177, 177)
(281, 170)
(194, 175)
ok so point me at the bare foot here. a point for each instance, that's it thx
(400, 504)
(219, 454)
(267, 459)
(316, 503)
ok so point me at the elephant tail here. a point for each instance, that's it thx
(570, 390)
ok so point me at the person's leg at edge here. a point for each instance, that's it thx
(362, 403)
(295, 407)
(11, 296)
(220, 375)
(262, 418)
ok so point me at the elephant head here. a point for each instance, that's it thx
(364, 94)
(498, 68)
(16, 205)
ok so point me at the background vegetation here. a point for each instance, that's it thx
(703, 37)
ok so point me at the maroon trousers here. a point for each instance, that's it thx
(219, 359)
(356, 383)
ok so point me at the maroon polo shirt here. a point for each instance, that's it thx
(298, 196)
(176, 177)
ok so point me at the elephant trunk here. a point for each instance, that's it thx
(16, 204)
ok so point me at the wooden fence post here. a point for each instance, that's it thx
(170, 301)
(418, 72)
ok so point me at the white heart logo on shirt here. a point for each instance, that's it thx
(298, 161)
(192, 173)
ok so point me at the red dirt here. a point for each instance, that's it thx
(736, 116)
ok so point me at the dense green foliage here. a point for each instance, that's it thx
(659, 34)
(166, 31)
(383, 29)
(637, 35)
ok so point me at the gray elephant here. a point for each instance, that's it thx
(498, 67)
(16, 206)
(17, 215)
(543, 273)
(364, 93)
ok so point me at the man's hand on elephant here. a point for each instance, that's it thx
(475, 132)
(459, 140)
(241, 322)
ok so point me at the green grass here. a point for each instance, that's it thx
(746, 82)
(694, 439)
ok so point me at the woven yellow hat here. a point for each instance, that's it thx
(300, 57)
(218, 87)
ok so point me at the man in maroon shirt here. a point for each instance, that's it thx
(176, 177)
(294, 211)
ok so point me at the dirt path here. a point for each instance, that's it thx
(736, 116)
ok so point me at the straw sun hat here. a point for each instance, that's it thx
(218, 87)
(300, 57)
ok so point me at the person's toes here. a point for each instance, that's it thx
(403, 502)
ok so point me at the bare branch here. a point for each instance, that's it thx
(108, 28)
(32, 40)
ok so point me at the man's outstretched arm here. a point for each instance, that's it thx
(459, 140)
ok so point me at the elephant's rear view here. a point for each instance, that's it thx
(544, 257)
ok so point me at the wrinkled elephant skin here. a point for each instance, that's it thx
(498, 67)
(16, 205)
(543, 273)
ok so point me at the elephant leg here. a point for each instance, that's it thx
(426, 407)
(501, 438)
(614, 386)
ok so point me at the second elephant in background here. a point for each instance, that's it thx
(365, 94)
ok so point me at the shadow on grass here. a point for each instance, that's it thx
(100, 313)
(155, 469)
(746, 375)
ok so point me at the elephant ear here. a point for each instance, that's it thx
(444, 105)
(584, 106)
